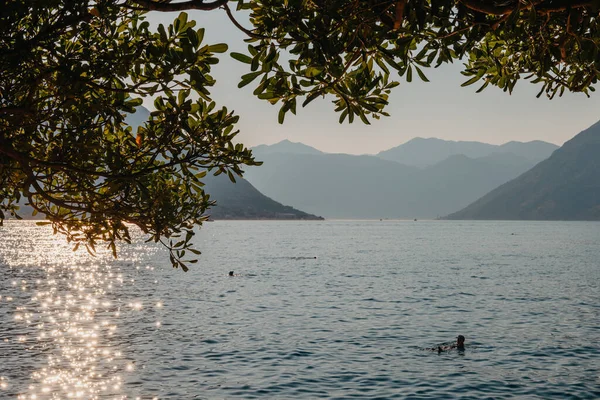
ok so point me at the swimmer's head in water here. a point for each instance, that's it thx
(230, 273)
(460, 340)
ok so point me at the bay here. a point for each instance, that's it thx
(331, 309)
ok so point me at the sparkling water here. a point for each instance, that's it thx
(331, 309)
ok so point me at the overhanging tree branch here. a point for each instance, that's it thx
(400, 5)
(541, 6)
(185, 5)
(239, 26)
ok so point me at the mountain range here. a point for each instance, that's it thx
(424, 152)
(422, 178)
(566, 186)
(369, 186)
(286, 146)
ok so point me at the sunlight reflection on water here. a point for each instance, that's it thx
(65, 321)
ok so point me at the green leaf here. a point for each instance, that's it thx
(241, 57)
(483, 86)
(421, 74)
(281, 114)
(218, 48)
(471, 81)
(363, 117)
(312, 72)
(231, 177)
(267, 96)
(192, 37)
(246, 79)
(181, 22)
(182, 95)
(311, 97)
(162, 32)
(200, 35)
(255, 62)
(133, 102)
(343, 116)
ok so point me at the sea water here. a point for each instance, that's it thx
(331, 309)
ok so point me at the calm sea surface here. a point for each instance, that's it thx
(353, 323)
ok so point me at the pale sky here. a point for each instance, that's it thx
(440, 108)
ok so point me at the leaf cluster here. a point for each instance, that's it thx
(356, 51)
(70, 73)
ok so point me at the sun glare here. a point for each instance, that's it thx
(71, 316)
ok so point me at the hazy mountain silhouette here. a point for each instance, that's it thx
(420, 152)
(348, 186)
(240, 200)
(337, 185)
(285, 146)
(460, 179)
(566, 186)
(536, 150)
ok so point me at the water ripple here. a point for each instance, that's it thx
(354, 323)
